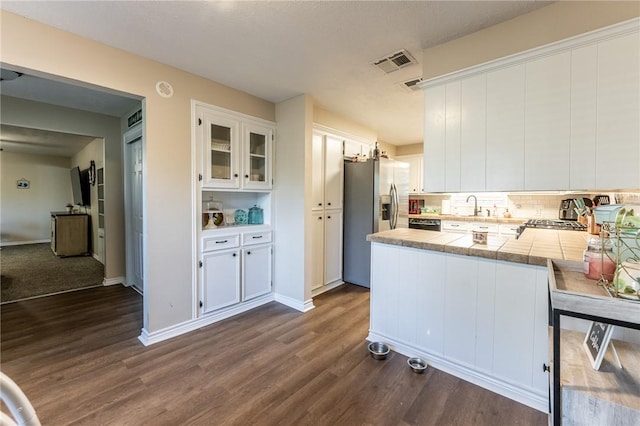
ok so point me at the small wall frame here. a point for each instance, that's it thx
(23, 184)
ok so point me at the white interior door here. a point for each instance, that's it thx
(135, 236)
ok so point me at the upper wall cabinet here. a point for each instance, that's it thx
(236, 149)
(560, 117)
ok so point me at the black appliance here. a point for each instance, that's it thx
(426, 224)
(568, 208)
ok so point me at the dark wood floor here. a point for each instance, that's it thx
(77, 358)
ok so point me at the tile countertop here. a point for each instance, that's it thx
(533, 247)
(495, 219)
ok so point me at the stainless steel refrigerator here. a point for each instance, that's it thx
(376, 198)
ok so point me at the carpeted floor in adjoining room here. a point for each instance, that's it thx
(33, 270)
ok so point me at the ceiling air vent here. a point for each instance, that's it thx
(411, 85)
(395, 61)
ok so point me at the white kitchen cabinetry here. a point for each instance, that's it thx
(473, 133)
(618, 125)
(354, 148)
(332, 246)
(326, 215)
(482, 320)
(452, 138)
(491, 228)
(560, 117)
(455, 226)
(434, 139)
(256, 271)
(521, 304)
(508, 229)
(220, 279)
(505, 129)
(236, 149)
(235, 267)
(547, 116)
(584, 80)
(326, 172)
(416, 174)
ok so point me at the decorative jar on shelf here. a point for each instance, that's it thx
(256, 216)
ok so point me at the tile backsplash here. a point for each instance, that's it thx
(526, 205)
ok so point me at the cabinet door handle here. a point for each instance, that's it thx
(319, 217)
(235, 175)
(222, 241)
(328, 203)
(234, 254)
(328, 217)
(256, 237)
(319, 204)
(246, 176)
(248, 253)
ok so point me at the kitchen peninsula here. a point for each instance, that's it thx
(477, 311)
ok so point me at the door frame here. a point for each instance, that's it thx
(130, 136)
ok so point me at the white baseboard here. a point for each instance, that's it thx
(19, 243)
(113, 281)
(318, 291)
(176, 330)
(516, 393)
(305, 306)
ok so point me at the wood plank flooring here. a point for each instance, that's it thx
(77, 358)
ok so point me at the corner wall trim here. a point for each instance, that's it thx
(113, 281)
(305, 306)
(176, 330)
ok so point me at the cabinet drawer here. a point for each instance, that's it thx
(491, 228)
(220, 242)
(448, 226)
(249, 238)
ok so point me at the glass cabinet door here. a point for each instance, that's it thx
(257, 161)
(221, 156)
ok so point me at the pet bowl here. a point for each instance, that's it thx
(417, 365)
(378, 350)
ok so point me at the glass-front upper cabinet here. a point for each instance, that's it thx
(221, 151)
(257, 145)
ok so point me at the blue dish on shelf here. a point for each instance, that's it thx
(240, 217)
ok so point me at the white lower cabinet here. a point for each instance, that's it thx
(482, 320)
(256, 271)
(235, 268)
(326, 250)
(220, 279)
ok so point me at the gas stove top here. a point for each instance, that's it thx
(569, 225)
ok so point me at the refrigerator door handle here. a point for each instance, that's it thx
(394, 207)
(397, 206)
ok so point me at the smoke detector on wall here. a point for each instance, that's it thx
(395, 61)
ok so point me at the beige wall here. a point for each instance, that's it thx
(335, 121)
(555, 22)
(24, 213)
(169, 233)
(416, 148)
(94, 151)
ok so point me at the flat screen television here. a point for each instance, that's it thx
(80, 186)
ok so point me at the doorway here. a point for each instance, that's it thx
(133, 169)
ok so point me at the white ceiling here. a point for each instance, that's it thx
(43, 142)
(279, 49)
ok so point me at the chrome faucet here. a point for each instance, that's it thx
(475, 204)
